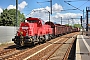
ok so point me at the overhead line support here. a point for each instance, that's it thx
(16, 12)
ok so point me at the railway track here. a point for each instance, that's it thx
(44, 51)
(6, 51)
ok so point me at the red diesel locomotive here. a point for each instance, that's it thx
(32, 31)
(35, 30)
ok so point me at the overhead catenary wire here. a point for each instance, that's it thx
(43, 2)
(33, 10)
(42, 7)
(73, 6)
(75, 0)
(79, 6)
(83, 4)
(46, 10)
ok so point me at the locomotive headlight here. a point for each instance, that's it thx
(21, 32)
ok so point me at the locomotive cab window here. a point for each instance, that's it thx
(32, 21)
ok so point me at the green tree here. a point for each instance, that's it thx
(8, 17)
(67, 24)
(77, 25)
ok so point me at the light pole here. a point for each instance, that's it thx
(49, 16)
(68, 22)
(16, 12)
(51, 5)
(72, 22)
(87, 10)
(61, 20)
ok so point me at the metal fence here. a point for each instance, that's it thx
(7, 33)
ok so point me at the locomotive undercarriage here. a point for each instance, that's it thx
(25, 40)
(22, 40)
(31, 40)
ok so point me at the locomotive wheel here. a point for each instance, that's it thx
(33, 44)
(44, 41)
(21, 43)
(39, 42)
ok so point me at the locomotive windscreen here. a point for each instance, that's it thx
(32, 21)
